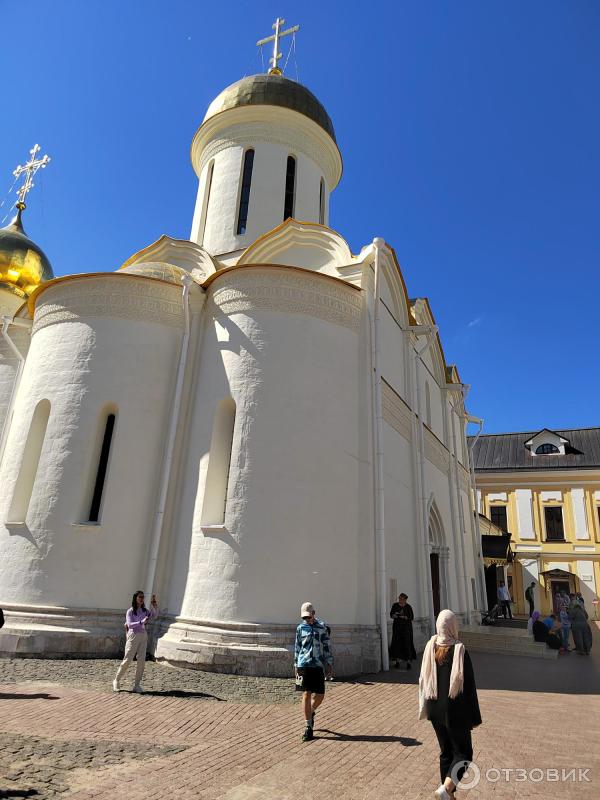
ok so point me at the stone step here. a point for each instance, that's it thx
(505, 641)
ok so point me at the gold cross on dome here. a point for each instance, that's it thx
(29, 169)
(275, 69)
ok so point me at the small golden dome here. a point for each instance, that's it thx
(23, 265)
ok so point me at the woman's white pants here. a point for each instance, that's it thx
(135, 645)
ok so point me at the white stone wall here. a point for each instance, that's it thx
(98, 344)
(293, 531)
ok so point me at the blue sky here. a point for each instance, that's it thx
(470, 133)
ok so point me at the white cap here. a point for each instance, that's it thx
(307, 609)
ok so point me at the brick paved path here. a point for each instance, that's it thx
(60, 739)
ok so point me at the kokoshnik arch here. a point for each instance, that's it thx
(237, 422)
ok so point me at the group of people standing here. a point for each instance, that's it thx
(569, 619)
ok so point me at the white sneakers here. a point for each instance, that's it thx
(442, 793)
(116, 688)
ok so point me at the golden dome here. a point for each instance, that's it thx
(23, 265)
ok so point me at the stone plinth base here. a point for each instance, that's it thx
(52, 632)
(265, 650)
(229, 647)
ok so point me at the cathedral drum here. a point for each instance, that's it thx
(274, 475)
(82, 458)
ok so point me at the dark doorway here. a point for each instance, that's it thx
(491, 585)
(434, 560)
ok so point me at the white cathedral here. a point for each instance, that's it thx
(238, 422)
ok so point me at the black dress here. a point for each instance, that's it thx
(402, 647)
(540, 631)
(453, 719)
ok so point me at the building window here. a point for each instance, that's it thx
(290, 186)
(245, 192)
(219, 461)
(109, 427)
(554, 524)
(322, 202)
(209, 179)
(498, 517)
(29, 465)
(546, 449)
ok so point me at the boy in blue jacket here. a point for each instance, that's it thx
(312, 661)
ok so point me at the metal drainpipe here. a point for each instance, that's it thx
(171, 436)
(474, 516)
(6, 323)
(380, 553)
(428, 331)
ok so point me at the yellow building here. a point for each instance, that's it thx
(544, 489)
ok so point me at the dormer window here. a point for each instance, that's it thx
(547, 443)
(546, 449)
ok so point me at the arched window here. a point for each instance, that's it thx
(209, 178)
(290, 188)
(30, 463)
(245, 192)
(546, 449)
(427, 404)
(101, 469)
(219, 460)
(322, 202)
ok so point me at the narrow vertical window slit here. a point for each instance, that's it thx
(322, 202)
(245, 192)
(94, 514)
(209, 179)
(290, 188)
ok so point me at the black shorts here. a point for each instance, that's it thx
(313, 680)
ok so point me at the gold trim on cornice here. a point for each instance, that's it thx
(311, 272)
(293, 221)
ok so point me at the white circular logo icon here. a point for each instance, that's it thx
(471, 777)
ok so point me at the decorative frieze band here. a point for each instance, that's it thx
(122, 297)
(395, 411)
(436, 453)
(286, 290)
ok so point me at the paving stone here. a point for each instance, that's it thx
(63, 732)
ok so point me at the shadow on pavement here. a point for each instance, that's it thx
(568, 674)
(36, 696)
(19, 793)
(181, 693)
(406, 741)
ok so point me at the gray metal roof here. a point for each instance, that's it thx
(498, 452)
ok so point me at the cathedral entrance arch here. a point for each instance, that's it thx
(438, 559)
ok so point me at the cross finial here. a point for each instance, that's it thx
(29, 169)
(275, 69)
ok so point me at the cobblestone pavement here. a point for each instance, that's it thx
(98, 674)
(539, 715)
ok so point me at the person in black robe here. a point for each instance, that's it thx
(402, 647)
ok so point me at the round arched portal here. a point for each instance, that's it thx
(438, 559)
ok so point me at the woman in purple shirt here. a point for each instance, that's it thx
(137, 639)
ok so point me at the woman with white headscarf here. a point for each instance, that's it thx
(448, 699)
